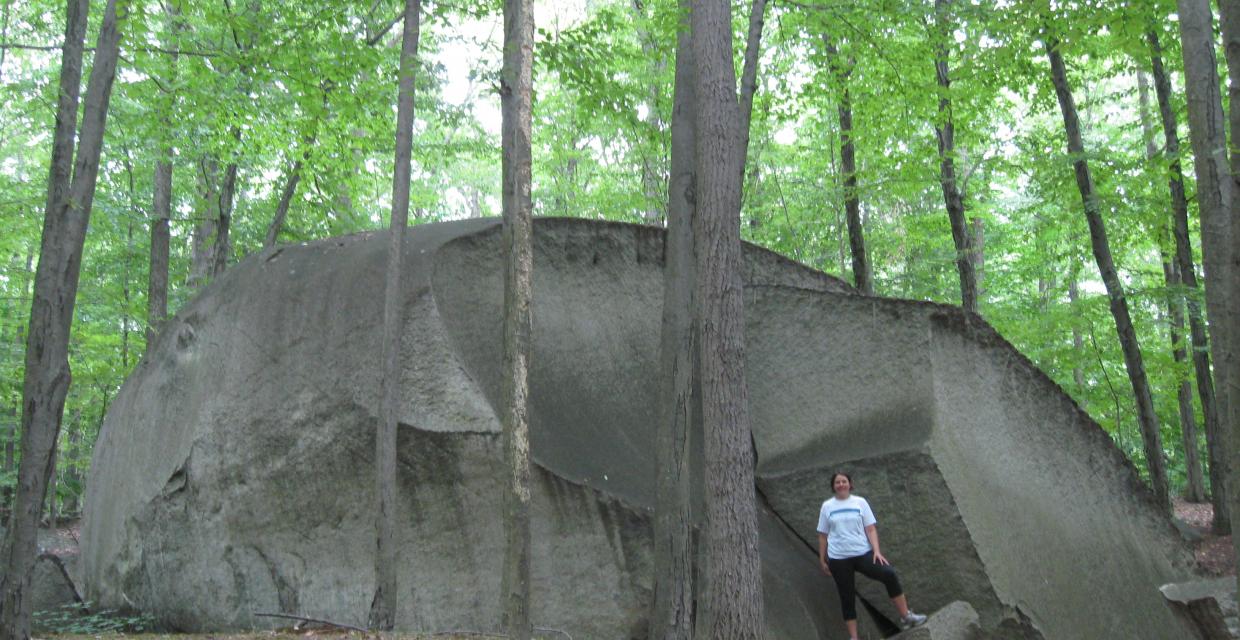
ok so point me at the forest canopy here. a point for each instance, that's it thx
(295, 102)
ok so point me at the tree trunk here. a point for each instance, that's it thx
(945, 131)
(1214, 199)
(979, 256)
(73, 504)
(1195, 491)
(1227, 359)
(4, 37)
(387, 501)
(60, 258)
(733, 607)
(1078, 343)
(862, 277)
(125, 298)
(516, 89)
(749, 77)
(51, 487)
(206, 212)
(653, 183)
(679, 402)
(223, 223)
(157, 289)
(286, 198)
(1150, 436)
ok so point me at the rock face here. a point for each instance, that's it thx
(956, 621)
(234, 472)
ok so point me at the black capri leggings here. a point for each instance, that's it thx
(842, 571)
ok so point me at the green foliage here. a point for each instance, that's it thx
(268, 85)
(75, 619)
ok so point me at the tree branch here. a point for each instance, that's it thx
(374, 39)
(57, 47)
(338, 625)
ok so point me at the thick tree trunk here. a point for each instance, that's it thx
(387, 501)
(679, 401)
(1214, 199)
(1150, 435)
(1227, 359)
(60, 258)
(1195, 491)
(862, 277)
(733, 607)
(749, 77)
(516, 88)
(945, 131)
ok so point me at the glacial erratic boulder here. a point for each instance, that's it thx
(234, 472)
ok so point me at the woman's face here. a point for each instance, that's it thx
(842, 486)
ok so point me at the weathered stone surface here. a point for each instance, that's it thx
(234, 471)
(956, 621)
(53, 594)
(1206, 606)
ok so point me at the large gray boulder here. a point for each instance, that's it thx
(234, 472)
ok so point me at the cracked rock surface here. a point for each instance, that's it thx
(234, 471)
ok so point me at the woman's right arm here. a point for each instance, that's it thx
(822, 553)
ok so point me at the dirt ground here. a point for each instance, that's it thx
(289, 634)
(1215, 554)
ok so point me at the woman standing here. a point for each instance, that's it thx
(848, 543)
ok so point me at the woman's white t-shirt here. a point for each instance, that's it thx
(844, 522)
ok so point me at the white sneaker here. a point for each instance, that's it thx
(912, 620)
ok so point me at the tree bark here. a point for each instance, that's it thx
(516, 93)
(749, 77)
(387, 500)
(1150, 436)
(1078, 342)
(679, 401)
(157, 288)
(979, 256)
(1227, 359)
(654, 183)
(862, 277)
(74, 476)
(206, 212)
(60, 259)
(1195, 491)
(733, 601)
(945, 132)
(224, 208)
(286, 199)
(1214, 199)
(1188, 277)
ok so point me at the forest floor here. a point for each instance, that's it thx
(1215, 554)
(287, 634)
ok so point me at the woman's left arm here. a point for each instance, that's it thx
(871, 532)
